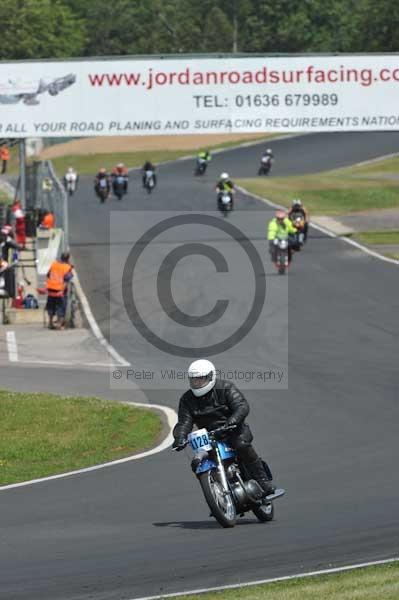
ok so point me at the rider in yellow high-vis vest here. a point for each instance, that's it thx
(279, 227)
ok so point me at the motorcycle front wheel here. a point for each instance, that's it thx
(221, 504)
(264, 512)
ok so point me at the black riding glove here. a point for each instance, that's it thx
(178, 444)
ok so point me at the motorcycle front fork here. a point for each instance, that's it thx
(222, 473)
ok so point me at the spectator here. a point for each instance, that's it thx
(7, 242)
(20, 224)
(4, 157)
(60, 273)
(3, 265)
(48, 221)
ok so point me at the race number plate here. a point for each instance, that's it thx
(199, 440)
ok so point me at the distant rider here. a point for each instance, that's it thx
(203, 158)
(148, 166)
(297, 207)
(225, 183)
(280, 226)
(120, 171)
(71, 176)
(102, 181)
(214, 403)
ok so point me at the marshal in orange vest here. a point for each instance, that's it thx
(55, 284)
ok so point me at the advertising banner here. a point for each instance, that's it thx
(199, 95)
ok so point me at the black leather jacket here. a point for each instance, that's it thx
(211, 411)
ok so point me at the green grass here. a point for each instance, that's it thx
(43, 434)
(330, 192)
(357, 188)
(4, 197)
(388, 166)
(390, 236)
(392, 255)
(371, 583)
(89, 164)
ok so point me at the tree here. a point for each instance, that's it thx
(39, 29)
(377, 28)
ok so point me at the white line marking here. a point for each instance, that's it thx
(64, 363)
(273, 580)
(171, 418)
(325, 230)
(12, 346)
(94, 326)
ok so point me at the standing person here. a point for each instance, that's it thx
(7, 242)
(20, 223)
(3, 265)
(213, 403)
(48, 220)
(4, 157)
(58, 276)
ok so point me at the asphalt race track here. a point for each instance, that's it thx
(142, 528)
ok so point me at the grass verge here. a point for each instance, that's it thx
(4, 197)
(89, 164)
(390, 237)
(337, 192)
(369, 583)
(44, 434)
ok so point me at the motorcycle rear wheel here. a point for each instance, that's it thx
(222, 507)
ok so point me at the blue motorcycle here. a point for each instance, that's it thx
(228, 488)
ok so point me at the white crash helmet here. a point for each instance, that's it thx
(70, 170)
(202, 377)
(296, 202)
(120, 165)
(224, 176)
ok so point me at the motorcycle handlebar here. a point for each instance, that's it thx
(212, 432)
(223, 428)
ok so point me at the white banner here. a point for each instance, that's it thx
(199, 95)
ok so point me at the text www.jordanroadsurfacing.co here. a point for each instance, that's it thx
(311, 75)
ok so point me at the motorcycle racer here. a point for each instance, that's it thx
(279, 226)
(211, 403)
(297, 207)
(120, 171)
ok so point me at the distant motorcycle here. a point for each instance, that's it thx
(265, 165)
(119, 186)
(70, 184)
(281, 254)
(102, 190)
(227, 487)
(149, 181)
(298, 220)
(225, 202)
(200, 166)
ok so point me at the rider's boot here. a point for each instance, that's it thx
(257, 471)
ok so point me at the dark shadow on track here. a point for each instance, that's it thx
(201, 524)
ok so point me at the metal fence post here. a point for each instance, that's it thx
(22, 173)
